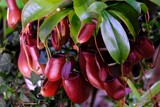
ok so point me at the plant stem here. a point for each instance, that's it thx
(108, 69)
(146, 19)
(94, 92)
(147, 83)
(25, 51)
(39, 44)
(155, 89)
(156, 59)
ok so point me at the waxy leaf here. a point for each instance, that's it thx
(35, 9)
(125, 20)
(138, 6)
(97, 7)
(81, 10)
(128, 15)
(75, 26)
(50, 22)
(115, 38)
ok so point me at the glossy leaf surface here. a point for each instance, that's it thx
(75, 26)
(35, 9)
(81, 10)
(50, 22)
(97, 7)
(128, 15)
(138, 6)
(115, 38)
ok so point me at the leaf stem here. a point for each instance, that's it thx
(146, 19)
(108, 69)
(94, 92)
(47, 49)
(146, 80)
(25, 51)
(40, 45)
(156, 59)
(155, 89)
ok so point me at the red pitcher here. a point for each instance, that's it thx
(92, 68)
(50, 88)
(54, 67)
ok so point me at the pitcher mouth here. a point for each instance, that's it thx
(88, 51)
(110, 78)
(73, 76)
(58, 56)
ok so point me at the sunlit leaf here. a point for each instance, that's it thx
(35, 9)
(3, 3)
(75, 26)
(50, 22)
(115, 38)
(97, 7)
(89, 2)
(24, 1)
(19, 4)
(81, 10)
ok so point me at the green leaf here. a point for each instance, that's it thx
(3, 3)
(133, 88)
(32, 97)
(146, 97)
(35, 78)
(89, 2)
(50, 22)
(138, 6)
(5, 62)
(126, 21)
(97, 7)
(128, 15)
(24, 98)
(115, 38)
(75, 26)
(19, 4)
(157, 2)
(24, 1)
(35, 9)
(81, 11)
